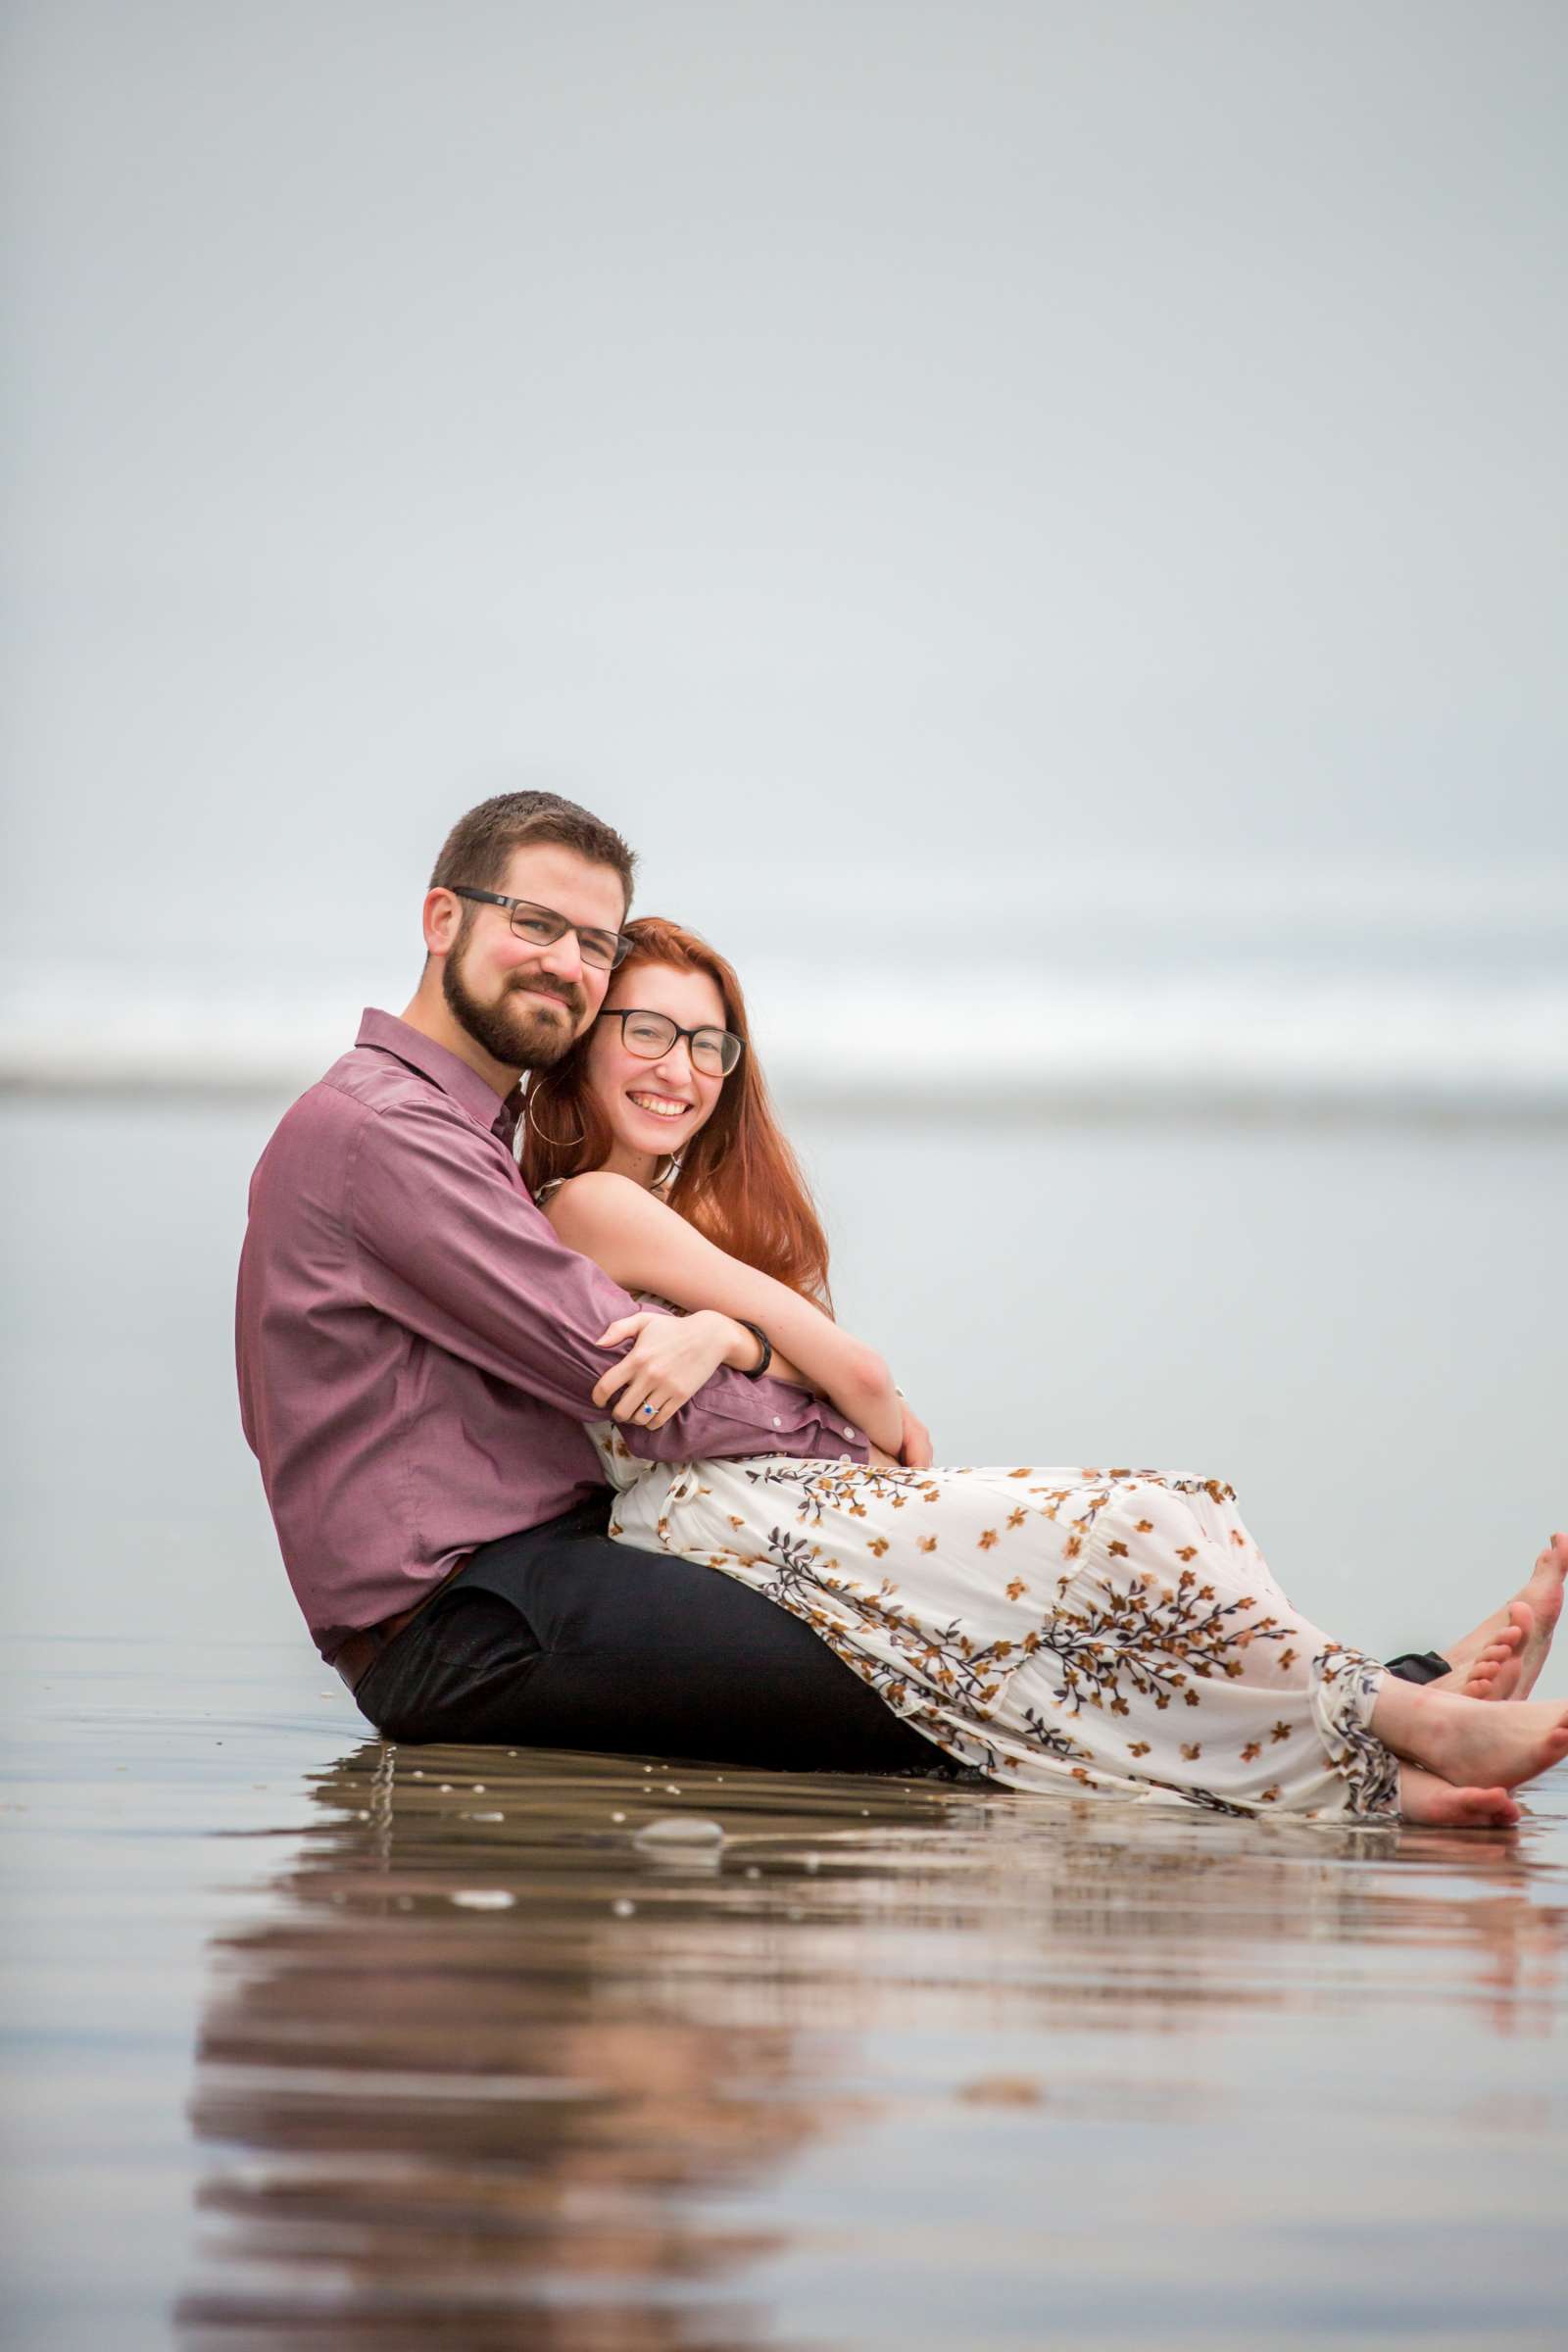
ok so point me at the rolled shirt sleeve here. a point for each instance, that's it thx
(445, 1241)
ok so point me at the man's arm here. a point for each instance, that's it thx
(445, 1240)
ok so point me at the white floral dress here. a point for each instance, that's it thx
(1115, 1631)
(1110, 1631)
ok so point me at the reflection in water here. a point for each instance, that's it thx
(485, 2055)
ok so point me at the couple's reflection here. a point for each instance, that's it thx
(430, 2111)
(483, 2071)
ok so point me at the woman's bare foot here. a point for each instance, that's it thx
(1425, 1798)
(1544, 1593)
(1543, 1596)
(1496, 1673)
(1470, 1742)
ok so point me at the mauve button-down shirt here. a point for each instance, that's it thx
(416, 1349)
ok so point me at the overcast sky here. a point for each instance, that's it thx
(849, 444)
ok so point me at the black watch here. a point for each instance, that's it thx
(764, 1342)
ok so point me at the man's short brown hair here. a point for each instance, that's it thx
(478, 849)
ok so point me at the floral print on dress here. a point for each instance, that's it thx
(1113, 1632)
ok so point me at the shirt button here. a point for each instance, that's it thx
(777, 1422)
(848, 1431)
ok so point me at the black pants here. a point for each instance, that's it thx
(559, 1638)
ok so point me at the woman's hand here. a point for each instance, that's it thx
(673, 1357)
(914, 1450)
(914, 1453)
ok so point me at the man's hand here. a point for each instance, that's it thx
(914, 1448)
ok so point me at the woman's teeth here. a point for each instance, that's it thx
(661, 1108)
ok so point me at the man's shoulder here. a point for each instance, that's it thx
(366, 1080)
(365, 1084)
(363, 1093)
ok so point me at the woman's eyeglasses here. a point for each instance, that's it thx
(651, 1035)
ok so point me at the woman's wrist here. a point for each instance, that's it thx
(884, 1422)
(740, 1341)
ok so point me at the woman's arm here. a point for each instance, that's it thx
(643, 1245)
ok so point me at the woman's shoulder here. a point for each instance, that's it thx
(594, 1184)
(597, 1196)
(612, 1219)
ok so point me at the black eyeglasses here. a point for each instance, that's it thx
(651, 1035)
(542, 926)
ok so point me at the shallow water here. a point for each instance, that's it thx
(888, 2065)
(1359, 1328)
(316, 2041)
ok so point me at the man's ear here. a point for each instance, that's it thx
(443, 919)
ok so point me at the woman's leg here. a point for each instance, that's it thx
(1470, 1742)
(1170, 1657)
(1175, 1657)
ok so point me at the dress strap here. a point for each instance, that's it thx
(659, 1188)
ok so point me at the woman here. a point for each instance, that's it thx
(1113, 1629)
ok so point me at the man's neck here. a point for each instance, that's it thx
(431, 1015)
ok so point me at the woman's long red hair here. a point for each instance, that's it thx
(739, 1184)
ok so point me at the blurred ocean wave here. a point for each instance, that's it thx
(1132, 985)
(1007, 1040)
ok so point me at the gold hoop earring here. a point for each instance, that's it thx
(550, 1142)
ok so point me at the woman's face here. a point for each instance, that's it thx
(654, 1108)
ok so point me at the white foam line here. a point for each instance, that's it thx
(1004, 1039)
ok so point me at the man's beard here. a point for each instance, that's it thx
(518, 1035)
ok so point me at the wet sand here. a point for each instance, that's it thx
(315, 2042)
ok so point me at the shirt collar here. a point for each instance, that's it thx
(447, 1071)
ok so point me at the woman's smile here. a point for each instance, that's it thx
(659, 1105)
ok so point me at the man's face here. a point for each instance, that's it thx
(525, 1004)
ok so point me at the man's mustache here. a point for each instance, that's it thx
(572, 997)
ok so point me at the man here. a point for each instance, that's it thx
(418, 1354)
